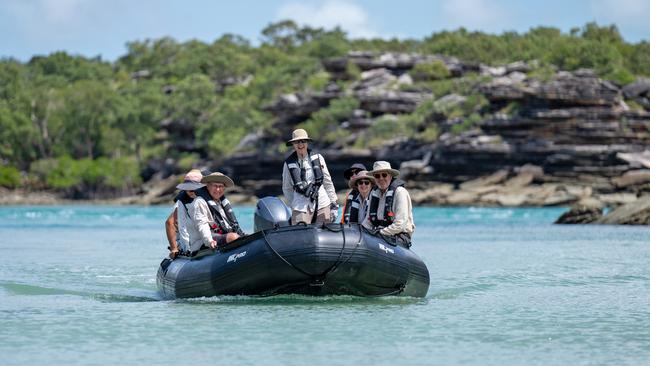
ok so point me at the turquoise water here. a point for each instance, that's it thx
(77, 287)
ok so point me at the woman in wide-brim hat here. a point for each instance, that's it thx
(192, 181)
(178, 236)
(357, 201)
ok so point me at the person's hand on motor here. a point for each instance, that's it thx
(334, 211)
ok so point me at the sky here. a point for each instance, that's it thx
(103, 27)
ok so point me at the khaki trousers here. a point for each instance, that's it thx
(322, 217)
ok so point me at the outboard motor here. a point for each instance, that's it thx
(270, 213)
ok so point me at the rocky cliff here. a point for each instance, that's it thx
(555, 139)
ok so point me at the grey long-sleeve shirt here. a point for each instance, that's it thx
(298, 202)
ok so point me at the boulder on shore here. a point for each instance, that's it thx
(633, 213)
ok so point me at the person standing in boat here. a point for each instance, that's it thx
(391, 211)
(213, 220)
(307, 184)
(176, 224)
(358, 200)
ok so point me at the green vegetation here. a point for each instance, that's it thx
(72, 122)
(9, 177)
(325, 122)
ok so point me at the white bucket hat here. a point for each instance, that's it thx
(298, 135)
(383, 166)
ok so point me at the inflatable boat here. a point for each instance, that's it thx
(330, 259)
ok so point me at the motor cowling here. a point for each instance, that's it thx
(270, 213)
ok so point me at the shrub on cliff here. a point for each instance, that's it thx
(9, 177)
(327, 120)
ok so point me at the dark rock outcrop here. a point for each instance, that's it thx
(580, 215)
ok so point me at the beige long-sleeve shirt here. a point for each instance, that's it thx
(199, 227)
(298, 202)
(403, 209)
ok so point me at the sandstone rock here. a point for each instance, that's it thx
(638, 88)
(374, 79)
(590, 202)
(482, 190)
(434, 195)
(578, 89)
(642, 158)
(633, 213)
(461, 198)
(616, 199)
(390, 102)
(518, 66)
(560, 198)
(535, 170)
(633, 178)
(521, 180)
(496, 177)
(512, 200)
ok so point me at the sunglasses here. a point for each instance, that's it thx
(300, 142)
(363, 182)
(381, 175)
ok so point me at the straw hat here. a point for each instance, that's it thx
(383, 166)
(298, 135)
(347, 173)
(217, 177)
(192, 181)
(361, 175)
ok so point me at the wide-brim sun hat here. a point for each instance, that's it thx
(383, 166)
(347, 173)
(298, 135)
(217, 177)
(192, 181)
(359, 176)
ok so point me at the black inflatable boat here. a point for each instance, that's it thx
(330, 259)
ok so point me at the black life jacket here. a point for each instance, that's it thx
(352, 202)
(297, 172)
(185, 200)
(389, 215)
(228, 224)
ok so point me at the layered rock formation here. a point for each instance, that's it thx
(562, 140)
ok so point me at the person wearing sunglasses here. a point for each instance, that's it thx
(356, 204)
(307, 184)
(391, 211)
(213, 220)
(354, 169)
(176, 224)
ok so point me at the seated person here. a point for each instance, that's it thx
(358, 200)
(176, 224)
(391, 212)
(213, 220)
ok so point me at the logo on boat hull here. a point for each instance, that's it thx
(234, 257)
(386, 249)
